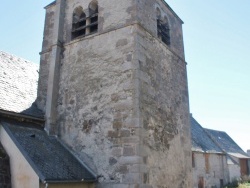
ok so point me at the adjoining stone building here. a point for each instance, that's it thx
(238, 160)
(209, 162)
(113, 88)
(216, 158)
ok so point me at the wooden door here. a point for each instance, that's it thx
(201, 182)
(243, 167)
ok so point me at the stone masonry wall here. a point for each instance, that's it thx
(45, 58)
(146, 16)
(96, 103)
(217, 170)
(5, 179)
(164, 114)
(112, 15)
(123, 96)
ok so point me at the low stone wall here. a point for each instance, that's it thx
(5, 181)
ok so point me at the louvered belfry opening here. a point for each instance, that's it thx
(163, 30)
(93, 11)
(83, 25)
(79, 23)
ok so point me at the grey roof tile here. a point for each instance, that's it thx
(226, 143)
(18, 85)
(200, 139)
(49, 158)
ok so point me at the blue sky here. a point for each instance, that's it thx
(217, 50)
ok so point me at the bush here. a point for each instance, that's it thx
(233, 184)
(245, 179)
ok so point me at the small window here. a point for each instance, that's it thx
(93, 16)
(78, 23)
(163, 30)
(193, 160)
(207, 166)
(82, 25)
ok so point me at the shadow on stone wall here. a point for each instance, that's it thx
(5, 181)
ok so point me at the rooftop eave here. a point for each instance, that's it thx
(239, 155)
(21, 117)
(69, 181)
(208, 151)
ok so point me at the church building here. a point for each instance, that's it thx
(113, 95)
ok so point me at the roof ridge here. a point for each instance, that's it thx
(213, 137)
(215, 130)
(201, 139)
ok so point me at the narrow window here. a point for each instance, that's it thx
(93, 17)
(159, 28)
(158, 15)
(163, 30)
(193, 160)
(207, 162)
(78, 23)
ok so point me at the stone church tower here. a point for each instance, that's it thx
(113, 85)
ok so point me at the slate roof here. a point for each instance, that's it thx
(18, 85)
(200, 139)
(226, 143)
(48, 157)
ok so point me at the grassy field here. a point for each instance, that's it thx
(245, 185)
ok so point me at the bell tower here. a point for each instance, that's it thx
(113, 84)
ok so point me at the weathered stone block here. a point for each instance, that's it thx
(131, 140)
(121, 186)
(128, 151)
(132, 178)
(125, 133)
(121, 42)
(130, 160)
(136, 168)
(146, 186)
(123, 169)
(116, 151)
(117, 125)
(112, 161)
(113, 134)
